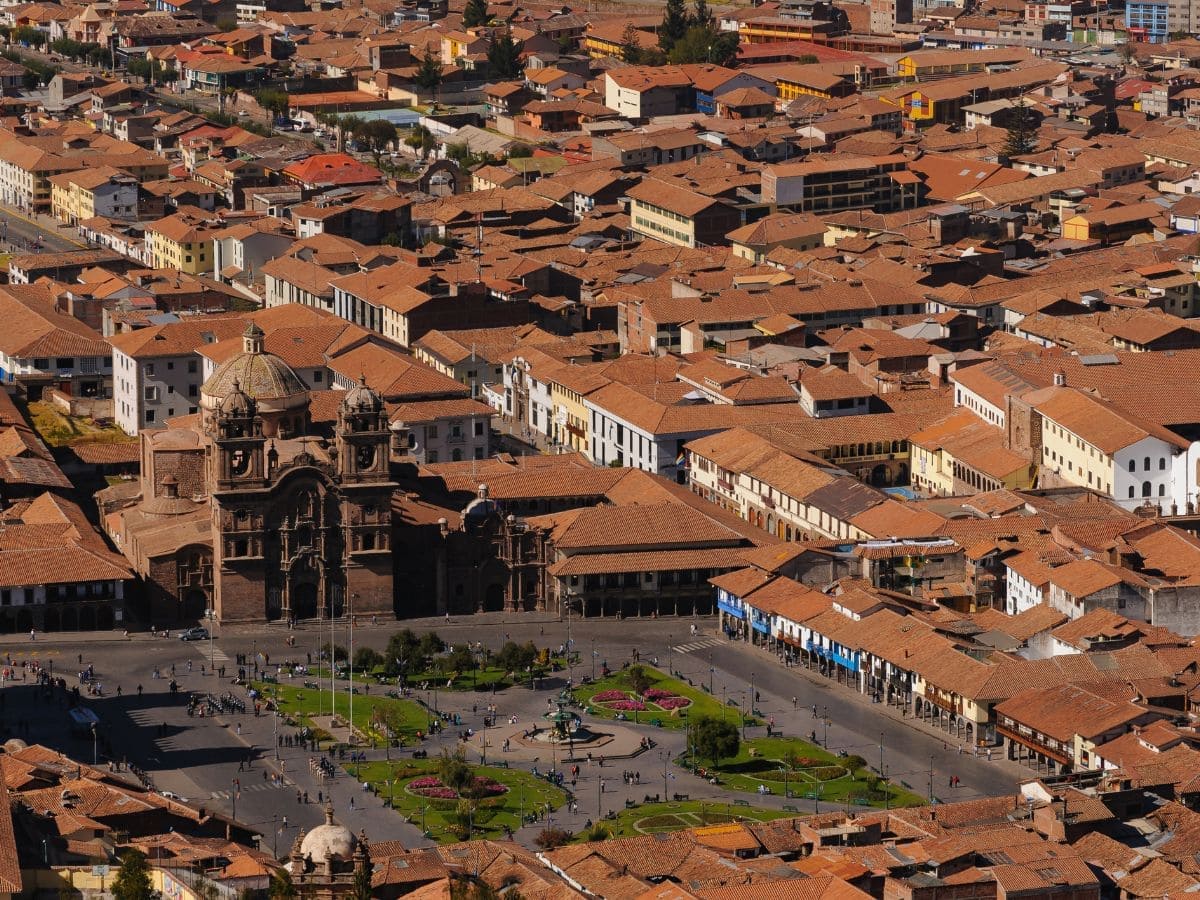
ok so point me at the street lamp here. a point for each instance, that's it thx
(783, 769)
(95, 755)
(593, 659)
(931, 779)
(711, 670)
(881, 753)
(670, 667)
(753, 694)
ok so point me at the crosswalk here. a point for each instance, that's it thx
(254, 788)
(700, 644)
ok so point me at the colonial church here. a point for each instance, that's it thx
(271, 503)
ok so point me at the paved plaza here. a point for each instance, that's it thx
(234, 761)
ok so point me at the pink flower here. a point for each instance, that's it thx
(605, 696)
(656, 694)
(673, 702)
(629, 705)
(426, 781)
(437, 793)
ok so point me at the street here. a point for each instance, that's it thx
(198, 758)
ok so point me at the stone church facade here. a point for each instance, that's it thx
(253, 511)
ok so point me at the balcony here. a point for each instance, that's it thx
(766, 501)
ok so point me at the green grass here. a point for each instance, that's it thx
(703, 704)
(60, 430)
(300, 704)
(824, 775)
(482, 680)
(441, 817)
(650, 818)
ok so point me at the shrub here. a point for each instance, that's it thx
(549, 838)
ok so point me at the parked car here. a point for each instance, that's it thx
(194, 634)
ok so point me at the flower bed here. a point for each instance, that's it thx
(657, 694)
(431, 786)
(627, 705)
(673, 702)
(606, 696)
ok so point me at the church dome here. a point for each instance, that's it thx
(263, 376)
(168, 503)
(361, 398)
(329, 841)
(279, 397)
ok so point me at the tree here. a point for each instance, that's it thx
(520, 151)
(454, 772)
(29, 36)
(340, 654)
(714, 739)
(504, 56)
(476, 13)
(361, 889)
(378, 135)
(133, 878)
(638, 679)
(140, 68)
(460, 660)
(674, 25)
(701, 14)
(281, 885)
(631, 44)
(705, 45)
(422, 140)
(366, 659)
(429, 73)
(515, 657)
(549, 838)
(273, 101)
(1022, 132)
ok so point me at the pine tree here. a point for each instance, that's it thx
(476, 13)
(504, 56)
(701, 14)
(674, 25)
(133, 878)
(429, 73)
(1022, 133)
(631, 45)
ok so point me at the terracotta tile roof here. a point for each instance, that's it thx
(659, 524)
(1064, 711)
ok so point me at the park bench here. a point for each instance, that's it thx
(657, 723)
(741, 802)
(650, 798)
(630, 804)
(789, 808)
(679, 797)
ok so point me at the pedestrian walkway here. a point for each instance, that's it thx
(701, 644)
(253, 788)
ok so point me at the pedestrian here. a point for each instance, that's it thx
(285, 821)
(351, 804)
(951, 781)
(239, 728)
(32, 635)
(81, 659)
(794, 702)
(139, 690)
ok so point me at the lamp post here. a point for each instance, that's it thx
(783, 769)
(95, 755)
(350, 661)
(724, 702)
(593, 659)
(670, 667)
(881, 753)
(742, 710)
(931, 779)
(274, 835)
(711, 670)
(825, 716)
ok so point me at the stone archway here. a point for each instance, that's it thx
(304, 600)
(195, 604)
(879, 475)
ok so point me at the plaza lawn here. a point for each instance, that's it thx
(821, 775)
(299, 704)
(702, 703)
(652, 818)
(525, 794)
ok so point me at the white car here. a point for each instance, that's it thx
(171, 795)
